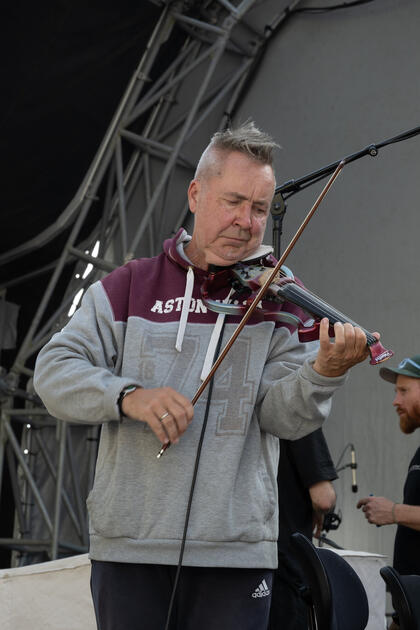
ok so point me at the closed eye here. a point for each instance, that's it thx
(234, 199)
(260, 210)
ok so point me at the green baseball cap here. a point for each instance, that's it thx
(407, 367)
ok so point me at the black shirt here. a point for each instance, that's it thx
(407, 540)
(303, 463)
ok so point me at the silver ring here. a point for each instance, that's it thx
(163, 416)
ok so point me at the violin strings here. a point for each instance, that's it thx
(316, 305)
(319, 307)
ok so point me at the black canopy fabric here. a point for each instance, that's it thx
(65, 66)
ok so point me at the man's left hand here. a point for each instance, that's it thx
(378, 510)
(348, 348)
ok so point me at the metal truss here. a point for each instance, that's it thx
(136, 186)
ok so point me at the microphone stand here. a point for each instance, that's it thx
(293, 186)
(327, 541)
(339, 468)
(278, 211)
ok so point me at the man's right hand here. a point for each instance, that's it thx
(167, 412)
(323, 500)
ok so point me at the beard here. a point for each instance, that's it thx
(409, 423)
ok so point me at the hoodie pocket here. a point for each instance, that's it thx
(114, 512)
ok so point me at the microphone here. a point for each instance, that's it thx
(353, 467)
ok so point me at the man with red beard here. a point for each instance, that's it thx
(382, 511)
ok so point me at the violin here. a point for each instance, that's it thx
(284, 288)
(318, 308)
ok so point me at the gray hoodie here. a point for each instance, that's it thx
(146, 324)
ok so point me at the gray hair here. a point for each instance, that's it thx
(246, 139)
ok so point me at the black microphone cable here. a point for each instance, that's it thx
(193, 482)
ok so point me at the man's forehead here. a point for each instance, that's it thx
(407, 381)
(238, 160)
(242, 195)
(247, 183)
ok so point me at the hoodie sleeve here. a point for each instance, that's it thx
(76, 373)
(293, 399)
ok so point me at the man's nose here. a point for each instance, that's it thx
(243, 216)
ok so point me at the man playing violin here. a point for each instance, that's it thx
(131, 359)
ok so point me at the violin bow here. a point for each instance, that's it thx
(264, 288)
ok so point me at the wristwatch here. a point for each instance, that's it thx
(126, 390)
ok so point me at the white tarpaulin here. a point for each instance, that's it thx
(56, 595)
(367, 566)
(47, 596)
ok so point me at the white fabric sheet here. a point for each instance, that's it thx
(47, 596)
(56, 595)
(367, 566)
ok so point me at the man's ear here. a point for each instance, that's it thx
(193, 192)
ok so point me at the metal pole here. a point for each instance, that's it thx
(170, 164)
(62, 430)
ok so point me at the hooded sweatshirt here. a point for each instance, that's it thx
(146, 324)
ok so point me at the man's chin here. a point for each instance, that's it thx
(408, 425)
(226, 258)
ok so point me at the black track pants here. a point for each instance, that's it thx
(136, 597)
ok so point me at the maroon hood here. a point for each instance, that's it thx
(154, 287)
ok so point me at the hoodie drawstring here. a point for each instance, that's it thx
(208, 361)
(186, 303)
(189, 285)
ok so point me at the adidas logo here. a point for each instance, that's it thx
(262, 590)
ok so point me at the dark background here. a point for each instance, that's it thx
(65, 65)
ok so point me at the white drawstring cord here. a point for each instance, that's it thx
(208, 361)
(185, 309)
